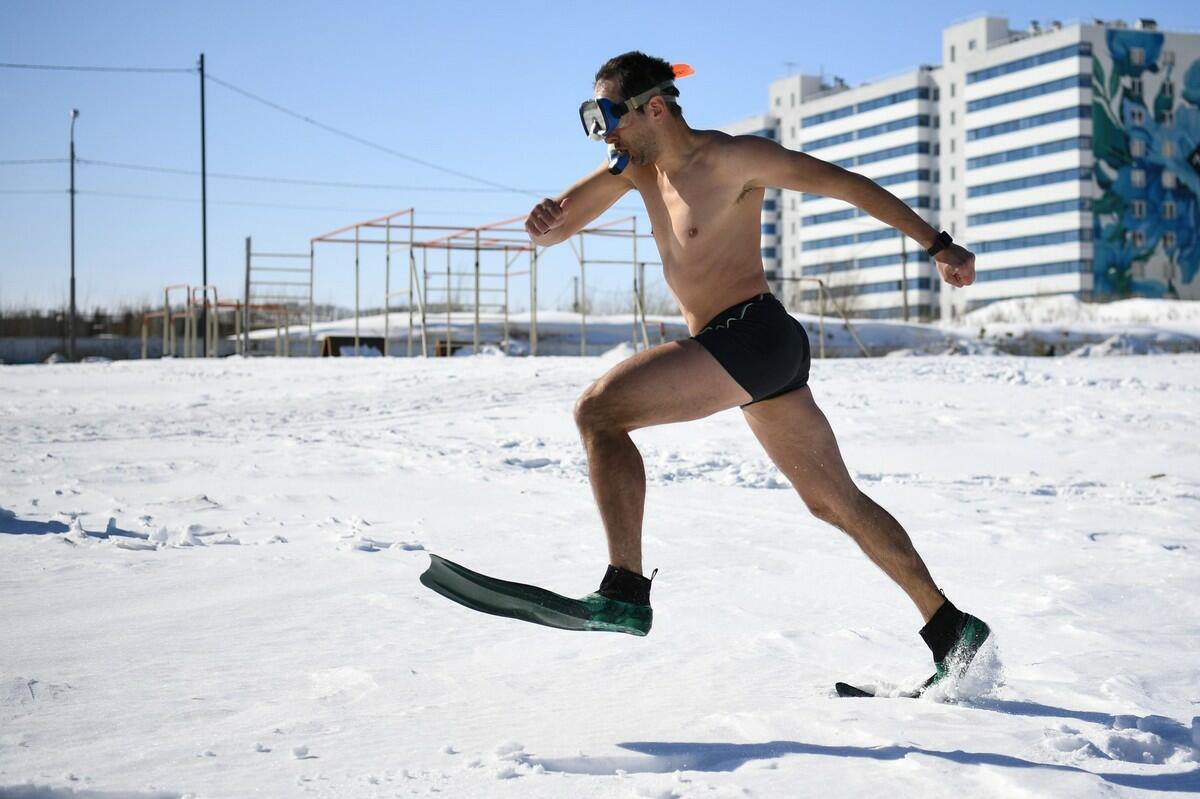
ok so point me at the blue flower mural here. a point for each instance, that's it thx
(1147, 216)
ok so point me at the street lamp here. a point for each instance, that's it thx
(71, 318)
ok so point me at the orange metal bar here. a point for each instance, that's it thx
(384, 218)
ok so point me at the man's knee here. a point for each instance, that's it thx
(594, 411)
(837, 509)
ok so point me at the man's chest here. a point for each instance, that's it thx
(691, 212)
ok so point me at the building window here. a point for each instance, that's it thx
(971, 44)
(952, 198)
(1168, 119)
(793, 253)
(793, 228)
(952, 174)
(1168, 58)
(953, 229)
(951, 144)
(793, 99)
(951, 117)
(778, 101)
(1137, 147)
(792, 132)
(1138, 178)
(768, 252)
(1168, 179)
(1137, 116)
(1168, 148)
(1169, 240)
(937, 148)
(951, 54)
(768, 205)
(1138, 208)
(951, 88)
(1139, 239)
(1168, 210)
(1135, 86)
(1137, 56)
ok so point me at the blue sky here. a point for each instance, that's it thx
(487, 90)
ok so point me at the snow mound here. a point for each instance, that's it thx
(1119, 344)
(618, 353)
(1066, 309)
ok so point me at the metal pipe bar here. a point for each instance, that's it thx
(356, 291)
(297, 255)
(497, 245)
(412, 267)
(475, 341)
(324, 236)
(275, 283)
(300, 269)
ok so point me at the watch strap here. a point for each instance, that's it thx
(942, 241)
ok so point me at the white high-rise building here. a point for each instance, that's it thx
(884, 130)
(1067, 157)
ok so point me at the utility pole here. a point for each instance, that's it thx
(203, 218)
(71, 317)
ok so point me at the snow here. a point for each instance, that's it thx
(209, 584)
(1031, 326)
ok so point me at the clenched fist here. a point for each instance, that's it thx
(956, 266)
(545, 217)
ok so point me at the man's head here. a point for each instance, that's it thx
(628, 75)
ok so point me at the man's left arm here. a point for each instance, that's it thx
(770, 165)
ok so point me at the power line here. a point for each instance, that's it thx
(295, 207)
(36, 161)
(366, 142)
(338, 184)
(63, 68)
(288, 181)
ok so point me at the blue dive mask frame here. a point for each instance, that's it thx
(601, 116)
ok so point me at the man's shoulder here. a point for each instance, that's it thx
(745, 145)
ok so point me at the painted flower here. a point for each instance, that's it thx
(1121, 44)
(1191, 83)
(1185, 228)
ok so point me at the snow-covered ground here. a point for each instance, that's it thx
(209, 585)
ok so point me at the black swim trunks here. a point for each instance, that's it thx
(761, 346)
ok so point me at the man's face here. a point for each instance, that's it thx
(634, 135)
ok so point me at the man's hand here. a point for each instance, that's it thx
(956, 266)
(545, 217)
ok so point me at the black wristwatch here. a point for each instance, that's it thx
(942, 241)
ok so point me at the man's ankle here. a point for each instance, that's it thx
(626, 586)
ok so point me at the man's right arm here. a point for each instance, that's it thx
(554, 221)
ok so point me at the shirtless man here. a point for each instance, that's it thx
(703, 191)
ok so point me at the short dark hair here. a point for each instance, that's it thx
(635, 72)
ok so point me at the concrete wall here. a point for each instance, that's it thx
(37, 350)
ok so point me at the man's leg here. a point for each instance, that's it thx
(674, 382)
(797, 437)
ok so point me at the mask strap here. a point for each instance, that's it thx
(639, 100)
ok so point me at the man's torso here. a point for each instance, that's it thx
(706, 223)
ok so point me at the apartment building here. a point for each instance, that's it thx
(1067, 157)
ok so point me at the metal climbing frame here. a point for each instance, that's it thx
(625, 227)
(425, 279)
(270, 287)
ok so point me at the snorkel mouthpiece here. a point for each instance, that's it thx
(617, 160)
